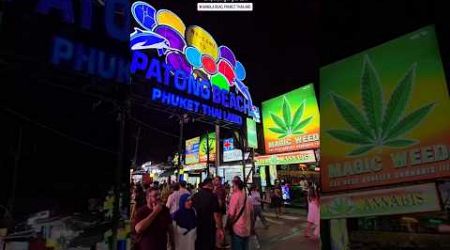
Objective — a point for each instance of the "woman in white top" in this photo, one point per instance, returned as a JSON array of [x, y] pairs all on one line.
[[185, 224]]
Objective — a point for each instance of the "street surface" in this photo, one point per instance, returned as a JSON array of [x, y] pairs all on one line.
[[286, 232]]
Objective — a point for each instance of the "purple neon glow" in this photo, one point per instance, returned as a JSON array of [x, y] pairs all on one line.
[[227, 54], [178, 62], [176, 41]]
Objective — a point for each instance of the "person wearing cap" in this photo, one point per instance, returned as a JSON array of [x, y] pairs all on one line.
[[209, 216], [185, 224]]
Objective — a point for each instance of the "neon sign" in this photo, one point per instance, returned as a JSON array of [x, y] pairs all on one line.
[[194, 65], [80, 56]]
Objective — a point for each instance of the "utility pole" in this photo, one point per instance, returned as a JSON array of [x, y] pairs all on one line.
[[243, 147], [207, 153], [122, 117], [180, 147], [136, 147], [17, 156], [217, 148]]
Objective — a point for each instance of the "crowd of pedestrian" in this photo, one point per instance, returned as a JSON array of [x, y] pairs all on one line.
[[211, 216]]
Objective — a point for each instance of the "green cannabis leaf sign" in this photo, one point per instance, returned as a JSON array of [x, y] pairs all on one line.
[[341, 206], [379, 124], [203, 148], [288, 124]]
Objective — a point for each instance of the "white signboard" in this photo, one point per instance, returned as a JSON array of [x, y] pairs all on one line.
[[234, 155]]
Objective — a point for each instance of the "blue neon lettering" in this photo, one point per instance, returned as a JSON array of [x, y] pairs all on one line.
[[165, 97], [85, 57], [180, 80], [239, 101], [156, 94], [174, 100], [154, 71], [167, 69], [206, 91], [62, 50], [217, 113], [216, 94], [194, 86], [139, 61], [63, 6], [224, 98], [106, 68], [117, 32], [86, 14], [247, 107], [233, 101]]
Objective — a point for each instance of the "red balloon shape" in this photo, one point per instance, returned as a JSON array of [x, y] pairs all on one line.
[[227, 70], [209, 64]]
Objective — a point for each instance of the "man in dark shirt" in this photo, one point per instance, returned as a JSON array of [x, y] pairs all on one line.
[[152, 224], [206, 204], [219, 191]]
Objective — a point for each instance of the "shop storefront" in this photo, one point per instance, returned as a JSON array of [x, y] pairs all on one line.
[[291, 139], [384, 178], [231, 164], [194, 173], [229, 171], [287, 170]]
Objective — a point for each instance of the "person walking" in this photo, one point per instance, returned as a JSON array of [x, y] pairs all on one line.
[[277, 201], [209, 217], [257, 209], [313, 218], [152, 224], [185, 224], [240, 214]]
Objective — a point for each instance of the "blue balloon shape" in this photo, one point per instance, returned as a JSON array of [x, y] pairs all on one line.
[[240, 71], [193, 56], [144, 14]]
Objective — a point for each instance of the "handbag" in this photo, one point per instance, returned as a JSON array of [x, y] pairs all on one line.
[[230, 223]]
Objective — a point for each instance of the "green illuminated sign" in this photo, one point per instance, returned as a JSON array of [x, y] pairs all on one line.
[[252, 137]]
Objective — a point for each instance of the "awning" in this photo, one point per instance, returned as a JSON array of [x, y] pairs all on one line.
[[194, 167], [167, 173]]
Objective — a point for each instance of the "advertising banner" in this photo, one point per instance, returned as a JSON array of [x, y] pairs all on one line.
[[291, 121], [286, 158], [192, 150], [204, 148], [252, 136], [401, 200], [234, 155], [385, 115]]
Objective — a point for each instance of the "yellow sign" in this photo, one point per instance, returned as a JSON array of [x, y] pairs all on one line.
[[167, 17], [199, 38]]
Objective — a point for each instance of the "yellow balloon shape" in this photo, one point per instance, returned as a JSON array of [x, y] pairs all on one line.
[[167, 17], [199, 38]]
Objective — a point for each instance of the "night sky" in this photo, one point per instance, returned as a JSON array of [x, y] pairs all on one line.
[[70, 144]]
